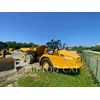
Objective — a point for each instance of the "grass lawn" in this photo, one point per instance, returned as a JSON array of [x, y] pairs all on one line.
[[95, 55], [45, 79]]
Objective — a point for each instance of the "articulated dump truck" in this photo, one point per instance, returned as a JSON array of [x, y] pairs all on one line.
[[52, 55], [5, 63]]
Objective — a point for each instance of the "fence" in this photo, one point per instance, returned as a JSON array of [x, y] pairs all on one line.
[[94, 65]]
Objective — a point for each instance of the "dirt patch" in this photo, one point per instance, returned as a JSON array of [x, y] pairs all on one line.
[[23, 70]]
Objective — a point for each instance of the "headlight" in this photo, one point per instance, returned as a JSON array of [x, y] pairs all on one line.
[[51, 52]]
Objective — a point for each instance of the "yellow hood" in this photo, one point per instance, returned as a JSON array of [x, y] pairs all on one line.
[[68, 53]]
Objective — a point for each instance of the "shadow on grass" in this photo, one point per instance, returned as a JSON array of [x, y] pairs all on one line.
[[71, 72]]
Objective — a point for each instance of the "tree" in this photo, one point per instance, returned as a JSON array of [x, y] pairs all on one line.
[[19, 45], [96, 48], [78, 48]]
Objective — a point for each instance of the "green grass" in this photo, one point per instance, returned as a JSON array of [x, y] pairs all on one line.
[[45, 79], [95, 55]]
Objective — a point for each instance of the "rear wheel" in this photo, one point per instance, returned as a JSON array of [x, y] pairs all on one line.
[[47, 65], [23, 58], [29, 58]]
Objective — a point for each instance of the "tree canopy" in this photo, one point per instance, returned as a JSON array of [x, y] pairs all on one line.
[[96, 48], [19, 45], [78, 48]]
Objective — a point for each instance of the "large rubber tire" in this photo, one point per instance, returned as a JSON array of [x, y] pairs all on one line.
[[29, 59], [23, 58], [50, 68]]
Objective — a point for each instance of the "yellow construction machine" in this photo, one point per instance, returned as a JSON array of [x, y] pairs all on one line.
[[10, 50], [25, 49], [3, 49], [52, 55]]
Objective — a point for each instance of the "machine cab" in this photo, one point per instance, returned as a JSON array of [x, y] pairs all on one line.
[[54, 46]]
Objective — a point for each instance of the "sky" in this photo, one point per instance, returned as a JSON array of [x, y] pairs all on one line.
[[72, 28]]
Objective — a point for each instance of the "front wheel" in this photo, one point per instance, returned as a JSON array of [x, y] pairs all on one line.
[[47, 65]]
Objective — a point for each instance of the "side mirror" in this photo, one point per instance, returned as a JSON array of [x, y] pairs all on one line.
[[64, 46]]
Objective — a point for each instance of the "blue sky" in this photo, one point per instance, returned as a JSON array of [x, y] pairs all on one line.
[[72, 28]]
